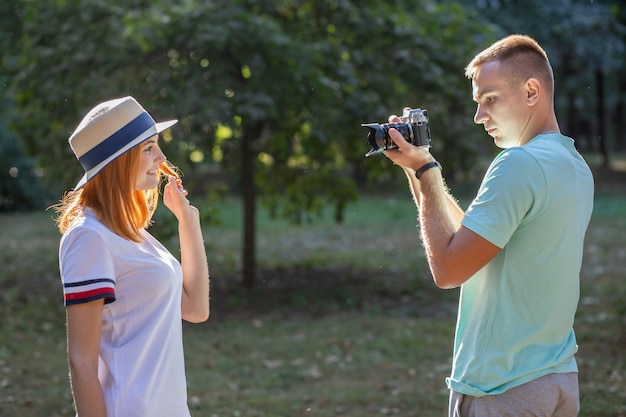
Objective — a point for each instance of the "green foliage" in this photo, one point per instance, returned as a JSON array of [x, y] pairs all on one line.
[[298, 76], [71, 57], [273, 92], [579, 35], [19, 186]]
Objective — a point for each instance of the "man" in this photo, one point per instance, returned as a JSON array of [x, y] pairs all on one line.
[[517, 250]]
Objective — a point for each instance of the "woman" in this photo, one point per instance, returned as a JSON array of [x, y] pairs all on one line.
[[125, 293]]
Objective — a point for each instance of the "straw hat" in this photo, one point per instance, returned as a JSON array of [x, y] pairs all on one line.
[[110, 129]]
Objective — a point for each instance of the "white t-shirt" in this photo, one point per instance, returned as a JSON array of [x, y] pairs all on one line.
[[141, 364]]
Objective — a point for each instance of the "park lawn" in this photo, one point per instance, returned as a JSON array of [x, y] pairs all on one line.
[[344, 320]]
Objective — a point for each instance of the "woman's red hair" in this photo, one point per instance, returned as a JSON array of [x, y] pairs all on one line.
[[111, 194]]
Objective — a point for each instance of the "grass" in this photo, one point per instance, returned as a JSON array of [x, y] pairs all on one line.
[[346, 364], [344, 321]]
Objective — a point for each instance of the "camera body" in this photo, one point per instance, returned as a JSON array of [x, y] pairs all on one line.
[[414, 129]]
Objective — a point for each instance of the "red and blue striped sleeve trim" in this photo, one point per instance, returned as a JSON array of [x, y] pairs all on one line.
[[89, 290]]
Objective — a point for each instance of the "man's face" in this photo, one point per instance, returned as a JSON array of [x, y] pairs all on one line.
[[502, 106]]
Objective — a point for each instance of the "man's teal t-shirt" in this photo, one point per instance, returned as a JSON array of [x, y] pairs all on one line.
[[516, 315]]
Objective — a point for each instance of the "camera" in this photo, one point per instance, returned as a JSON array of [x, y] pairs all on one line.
[[414, 129]]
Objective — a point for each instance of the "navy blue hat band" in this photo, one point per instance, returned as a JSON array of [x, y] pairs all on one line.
[[116, 141]]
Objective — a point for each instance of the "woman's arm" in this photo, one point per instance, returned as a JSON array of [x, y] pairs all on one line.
[[84, 322], [195, 299]]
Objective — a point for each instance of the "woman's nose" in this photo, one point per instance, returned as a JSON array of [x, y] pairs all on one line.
[[160, 157]]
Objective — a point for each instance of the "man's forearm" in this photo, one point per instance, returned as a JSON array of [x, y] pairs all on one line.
[[439, 219], [456, 212]]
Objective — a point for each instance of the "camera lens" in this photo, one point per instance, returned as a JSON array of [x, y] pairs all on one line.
[[379, 139]]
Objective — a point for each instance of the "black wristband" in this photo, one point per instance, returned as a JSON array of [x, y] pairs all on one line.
[[426, 167]]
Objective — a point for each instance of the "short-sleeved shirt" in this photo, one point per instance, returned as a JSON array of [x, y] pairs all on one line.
[[141, 364], [515, 318]]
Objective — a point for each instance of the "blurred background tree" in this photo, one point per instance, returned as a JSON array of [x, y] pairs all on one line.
[[271, 94], [20, 188], [19, 185]]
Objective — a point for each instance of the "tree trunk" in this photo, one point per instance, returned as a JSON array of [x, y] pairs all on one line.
[[604, 155], [618, 119], [249, 207], [572, 129]]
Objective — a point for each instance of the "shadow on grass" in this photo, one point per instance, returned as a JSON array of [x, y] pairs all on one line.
[[307, 292]]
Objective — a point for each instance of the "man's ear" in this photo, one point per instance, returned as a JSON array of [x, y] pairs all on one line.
[[533, 91]]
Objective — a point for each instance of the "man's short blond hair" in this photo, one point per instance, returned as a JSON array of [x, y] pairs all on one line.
[[521, 57]]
